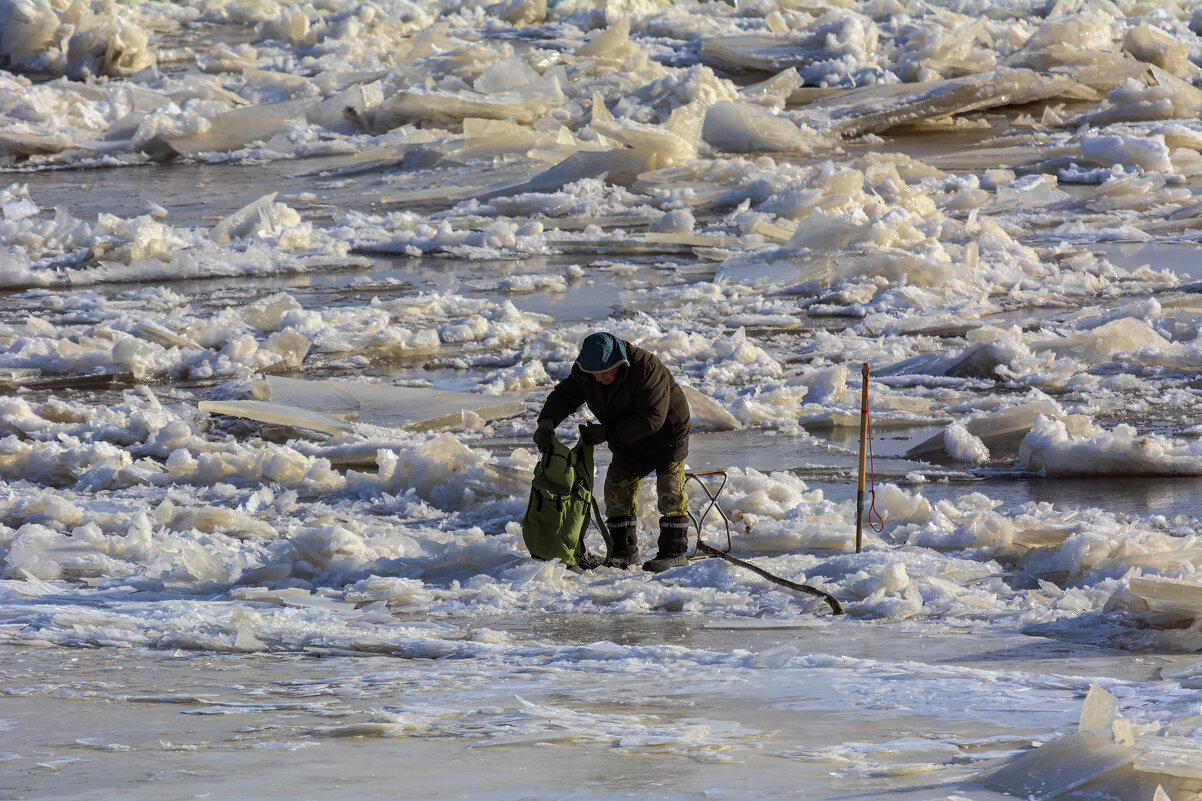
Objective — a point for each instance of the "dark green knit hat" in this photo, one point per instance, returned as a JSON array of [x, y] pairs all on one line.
[[601, 351]]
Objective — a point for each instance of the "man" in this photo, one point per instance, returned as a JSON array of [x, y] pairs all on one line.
[[644, 417]]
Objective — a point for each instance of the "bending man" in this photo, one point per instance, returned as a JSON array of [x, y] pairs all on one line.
[[644, 417]]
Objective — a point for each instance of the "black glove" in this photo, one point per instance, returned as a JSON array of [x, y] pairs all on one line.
[[544, 435], [593, 433]]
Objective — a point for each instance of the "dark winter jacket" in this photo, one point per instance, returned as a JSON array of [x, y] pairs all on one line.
[[644, 411]]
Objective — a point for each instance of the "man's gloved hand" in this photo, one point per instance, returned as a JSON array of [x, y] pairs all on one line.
[[593, 433], [544, 434]]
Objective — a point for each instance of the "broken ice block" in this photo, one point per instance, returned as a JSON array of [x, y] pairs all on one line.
[[202, 566], [613, 43], [777, 267], [449, 108], [262, 216], [1098, 712], [618, 166], [1174, 756], [164, 336], [277, 414], [231, 130], [413, 408], [746, 128], [707, 414], [1061, 765], [268, 574], [1158, 47], [1001, 431], [1169, 594], [873, 109], [777, 51]]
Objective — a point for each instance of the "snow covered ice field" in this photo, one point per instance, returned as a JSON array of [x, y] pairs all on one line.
[[284, 285]]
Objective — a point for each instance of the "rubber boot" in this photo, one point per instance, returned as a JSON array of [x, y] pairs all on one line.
[[673, 544], [624, 532]]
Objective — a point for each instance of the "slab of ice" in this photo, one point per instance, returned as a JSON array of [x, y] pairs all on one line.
[[348, 108], [80, 40], [262, 215], [660, 146], [777, 267], [611, 43], [231, 130], [1074, 446], [267, 574], [1061, 765], [776, 52], [1161, 48], [310, 601], [707, 414], [1104, 758], [618, 166], [413, 408], [1098, 712], [1169, 594], [1153, 94], [982, 158], [1001, 431], [525, 104], [779, 90], [873, 109], [277, 414], [148, 329], [1124, 335], [520, 12], [1171, 756], [746, 128]]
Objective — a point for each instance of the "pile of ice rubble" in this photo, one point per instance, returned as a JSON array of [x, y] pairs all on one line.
[[123, 488], [62, 250], [399, 86]]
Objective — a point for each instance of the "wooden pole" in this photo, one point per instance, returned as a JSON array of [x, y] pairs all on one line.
[[863, 452]]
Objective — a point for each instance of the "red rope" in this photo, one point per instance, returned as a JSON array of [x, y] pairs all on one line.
[[878, 527]]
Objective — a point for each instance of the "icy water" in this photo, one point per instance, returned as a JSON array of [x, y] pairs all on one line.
[[739, 709], [224, 726], [248, 551]]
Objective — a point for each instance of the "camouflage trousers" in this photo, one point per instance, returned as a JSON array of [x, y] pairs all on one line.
[[622, 490]]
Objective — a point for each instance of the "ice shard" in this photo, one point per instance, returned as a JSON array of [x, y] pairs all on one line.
[[1098, 712], [260, 215], [707, 414], [148, 329]]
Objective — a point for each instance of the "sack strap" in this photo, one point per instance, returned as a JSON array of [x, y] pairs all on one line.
[[584, 467]]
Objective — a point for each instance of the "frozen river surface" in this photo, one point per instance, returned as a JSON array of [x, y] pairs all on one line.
[[718, 710], [249, 551]]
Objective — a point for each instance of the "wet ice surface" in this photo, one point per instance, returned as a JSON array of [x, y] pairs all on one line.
[[994, 207], [681, 718]]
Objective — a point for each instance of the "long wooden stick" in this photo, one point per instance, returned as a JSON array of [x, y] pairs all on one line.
[[831, 600], [863, 451]]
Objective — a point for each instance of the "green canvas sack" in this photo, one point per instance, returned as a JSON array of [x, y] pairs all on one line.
[[561, 497]]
